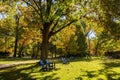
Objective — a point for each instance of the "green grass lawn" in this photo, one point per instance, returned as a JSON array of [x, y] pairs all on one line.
[[14, 60], [79, 69]]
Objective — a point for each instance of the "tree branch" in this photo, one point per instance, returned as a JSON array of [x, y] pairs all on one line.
[[39, 8], [63, 27], [49, 2], [55, 24], [36, 4], [32, 7], [41, 14], [57, 11]]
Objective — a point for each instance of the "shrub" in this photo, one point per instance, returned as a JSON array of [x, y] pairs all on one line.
[[4, 54], [113, 54]]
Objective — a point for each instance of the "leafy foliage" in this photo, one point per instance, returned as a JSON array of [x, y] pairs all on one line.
[[66, 24]]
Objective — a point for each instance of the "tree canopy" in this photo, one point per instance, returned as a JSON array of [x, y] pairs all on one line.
[[29, 27]]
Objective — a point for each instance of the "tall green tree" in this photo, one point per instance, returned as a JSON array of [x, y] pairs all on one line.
[[66, 40], [105, 15], [53, 17], [7, 23], [81, 38], [110, 17]]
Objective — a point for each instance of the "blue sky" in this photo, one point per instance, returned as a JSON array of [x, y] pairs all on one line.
[[2, 15], [92, 34]]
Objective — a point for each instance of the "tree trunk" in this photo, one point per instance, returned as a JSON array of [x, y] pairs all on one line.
[[16, 36], [45, 42], [16, 42], [33, 53], [89, 46], [20, 50], [20, 53], [37, 51], [44, 48], [96, 48]]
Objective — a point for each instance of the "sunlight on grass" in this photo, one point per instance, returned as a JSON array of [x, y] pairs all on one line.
[[96, 69], [81, 68], [10, 61]]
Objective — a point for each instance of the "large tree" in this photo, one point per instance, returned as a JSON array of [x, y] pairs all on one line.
[[110, 17], [54, 15]]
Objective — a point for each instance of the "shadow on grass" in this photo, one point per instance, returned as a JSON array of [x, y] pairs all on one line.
[[89, 74], [107, 72], [14, 73], [49, 77], [112, 64], [82, 59]]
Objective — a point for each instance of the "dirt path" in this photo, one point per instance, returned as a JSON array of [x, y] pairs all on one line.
[[14, 64]]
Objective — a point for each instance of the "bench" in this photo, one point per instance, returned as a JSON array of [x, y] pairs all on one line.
[[43, 65], [50, 64], [46, 65], [64, 60]]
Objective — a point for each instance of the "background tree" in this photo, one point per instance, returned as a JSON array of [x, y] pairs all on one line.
[[15, 26], [104, 18], [81, 38], [7, 25], [110, 16], [66, 41]]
